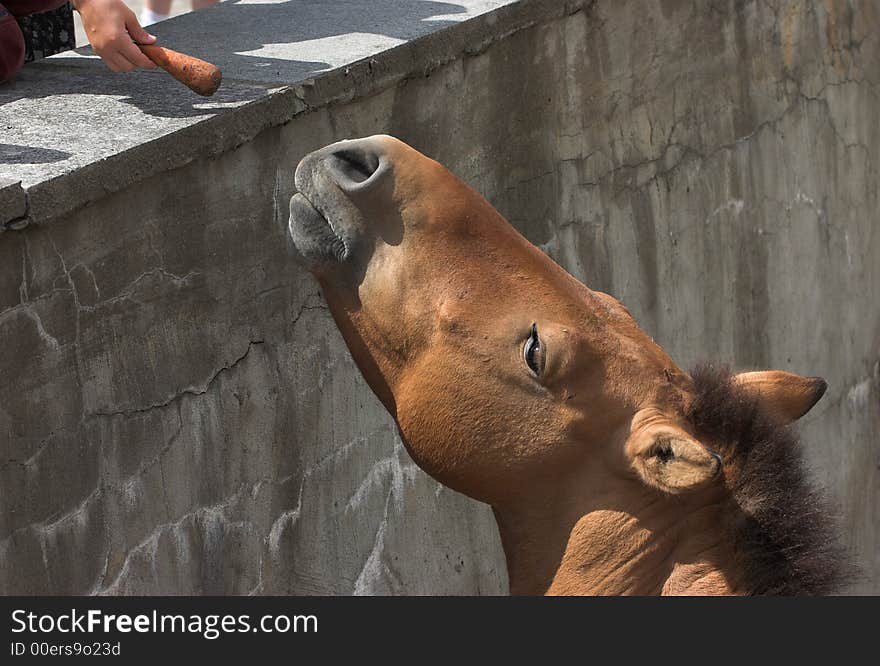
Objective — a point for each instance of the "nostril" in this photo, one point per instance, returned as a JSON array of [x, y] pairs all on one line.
[[354, 165]]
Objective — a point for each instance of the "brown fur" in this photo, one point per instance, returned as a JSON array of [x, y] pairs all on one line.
[[784, 538], [610, 470]]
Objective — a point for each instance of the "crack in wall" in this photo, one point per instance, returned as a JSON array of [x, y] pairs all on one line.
[[127, 292], [374, 566], [19, 222], [190, 390], [150, 542]]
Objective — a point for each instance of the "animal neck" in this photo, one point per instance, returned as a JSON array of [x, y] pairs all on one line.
[[601, 546]]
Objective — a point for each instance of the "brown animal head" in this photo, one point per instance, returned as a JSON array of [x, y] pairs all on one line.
[[609, 469]]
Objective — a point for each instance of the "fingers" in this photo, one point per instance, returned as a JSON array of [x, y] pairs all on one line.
[[115, 63], [115, 55], [126, 58], [135, 56], [137, 33], [112, 29], [120, 53], [131, 52]]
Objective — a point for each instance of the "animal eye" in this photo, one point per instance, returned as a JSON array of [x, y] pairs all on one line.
[[533, 352]]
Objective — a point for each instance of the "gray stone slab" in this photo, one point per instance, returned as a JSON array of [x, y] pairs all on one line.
[[73, 130], [13, 201]]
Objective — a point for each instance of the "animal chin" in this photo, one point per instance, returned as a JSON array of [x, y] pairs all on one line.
[[312, 235]]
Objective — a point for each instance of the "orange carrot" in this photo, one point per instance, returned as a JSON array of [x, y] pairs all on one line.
[[197, 75]]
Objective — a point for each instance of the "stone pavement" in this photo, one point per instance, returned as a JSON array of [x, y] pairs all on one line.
[[69, 111]]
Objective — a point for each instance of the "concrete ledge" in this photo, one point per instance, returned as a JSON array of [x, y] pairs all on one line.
[[13, 204], [77, 132]]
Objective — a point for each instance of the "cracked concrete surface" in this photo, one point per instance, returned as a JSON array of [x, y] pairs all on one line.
[[180, 414]]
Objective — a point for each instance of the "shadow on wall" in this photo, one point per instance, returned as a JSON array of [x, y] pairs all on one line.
[[283, 35]]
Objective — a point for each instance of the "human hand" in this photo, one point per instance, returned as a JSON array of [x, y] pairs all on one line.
[[113, 29]]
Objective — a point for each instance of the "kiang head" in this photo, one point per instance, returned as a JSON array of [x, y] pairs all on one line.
[[505, 373]]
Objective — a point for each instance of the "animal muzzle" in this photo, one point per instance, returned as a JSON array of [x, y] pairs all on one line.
[[326, 214]]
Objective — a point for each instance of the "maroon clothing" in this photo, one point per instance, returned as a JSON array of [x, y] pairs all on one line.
[[12, 47], [20, 8], [31, 29]]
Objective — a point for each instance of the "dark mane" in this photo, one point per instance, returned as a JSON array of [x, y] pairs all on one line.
[[784, 535]]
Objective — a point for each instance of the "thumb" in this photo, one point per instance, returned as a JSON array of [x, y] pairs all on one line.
[[137, 33]]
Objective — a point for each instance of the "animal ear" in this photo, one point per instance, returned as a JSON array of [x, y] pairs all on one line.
[[668, 458], [784, 395]]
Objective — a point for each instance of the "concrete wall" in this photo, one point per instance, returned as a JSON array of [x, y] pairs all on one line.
[[179, 414]]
